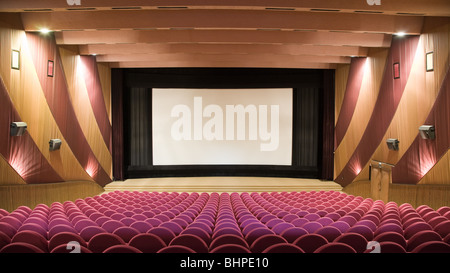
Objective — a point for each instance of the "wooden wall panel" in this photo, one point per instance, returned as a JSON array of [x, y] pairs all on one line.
[[340, 83], [370, 87], [80, 100], [13, 196], [27, 96], [104, 72], [440, 173], [8, 175]]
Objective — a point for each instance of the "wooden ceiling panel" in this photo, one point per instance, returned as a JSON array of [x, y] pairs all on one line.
[[228, 33], [222, 19]]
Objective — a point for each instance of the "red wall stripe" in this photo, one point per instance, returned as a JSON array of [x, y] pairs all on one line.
[[95, 92], [351, 95], [20, 151], [402, 51], [423, 154], [57, 95]]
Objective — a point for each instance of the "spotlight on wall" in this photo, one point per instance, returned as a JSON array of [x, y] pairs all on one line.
[[55, 144], [392, 144], [18, 128], [427, 132]]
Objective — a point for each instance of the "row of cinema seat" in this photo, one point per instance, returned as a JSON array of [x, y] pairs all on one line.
[[162, 222]]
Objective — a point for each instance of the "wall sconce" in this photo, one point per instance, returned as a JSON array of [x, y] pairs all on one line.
[[392, 144], [427, 132], [396, 70], [430, 61], [15, 59], [55, 144], [50, 65], [18, 128]]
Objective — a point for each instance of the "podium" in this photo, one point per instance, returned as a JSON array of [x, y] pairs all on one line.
[[380, 180]]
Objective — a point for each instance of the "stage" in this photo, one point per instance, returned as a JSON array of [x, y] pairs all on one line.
[[222, 184]]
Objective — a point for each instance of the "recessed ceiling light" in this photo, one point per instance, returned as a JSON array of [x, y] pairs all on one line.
[[44, 30], [400, 34]]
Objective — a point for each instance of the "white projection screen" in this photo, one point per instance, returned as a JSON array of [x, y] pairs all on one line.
[[222, 126]]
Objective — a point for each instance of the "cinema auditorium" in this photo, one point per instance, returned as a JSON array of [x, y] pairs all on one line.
[[244, 127]]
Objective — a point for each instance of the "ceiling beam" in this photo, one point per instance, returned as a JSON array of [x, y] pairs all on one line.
[[197, 63], [290, 49], [419, 7], [222, 19], [223, 36], [243, 58]]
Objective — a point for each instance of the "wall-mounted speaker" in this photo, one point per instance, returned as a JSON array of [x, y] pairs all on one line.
[[392, 144], [55, 144], [18, 128], [427, 132]]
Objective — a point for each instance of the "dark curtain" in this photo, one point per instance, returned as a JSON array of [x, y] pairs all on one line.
[[140, 127]]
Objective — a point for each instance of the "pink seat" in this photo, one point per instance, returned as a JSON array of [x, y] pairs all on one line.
[[422, 237], [164, 233], [228, 239], [291, 234], [416, 227], [283, 248], [432, 247], [88, 232], [230, 248], [66, 248], [192, 241], [20, 247], [176, 249], [335, 247], [310, 242], [99, 242], [255, 233], [199, 232], [263, 242], [357, 241], [32, 238], [391, 236], [64, 238], [443, 228], [329, 232], [122, 249], [147, 242], [126, 233]]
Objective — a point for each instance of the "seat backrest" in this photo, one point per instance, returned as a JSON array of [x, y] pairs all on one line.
[[164, 233], [64, 238], [230, 248], [422, 237], [329, 232], [228, 239], [283, 248], [20, 247], [126, 233], [310, 242], [122, 249], [176, 249], [335, 247], [263, 242], [32, 238], [432, 247], [194, 242], [147, 242], [99, 242], [355, 240]]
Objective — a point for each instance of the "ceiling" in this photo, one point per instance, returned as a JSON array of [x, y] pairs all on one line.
[[226, 33]]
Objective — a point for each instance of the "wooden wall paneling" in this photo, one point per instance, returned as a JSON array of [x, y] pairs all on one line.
[[412, 110], [13, 196], [8, 175], [403, 194], [27, 96], [359, 188], [435, 196], [370, 87], [341, 77], [104, 72], [440, 173], [80, 100]]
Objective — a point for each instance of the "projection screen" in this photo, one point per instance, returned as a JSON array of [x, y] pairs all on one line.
[[222, 126]]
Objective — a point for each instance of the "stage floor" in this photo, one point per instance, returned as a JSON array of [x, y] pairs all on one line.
[[222, 184]]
